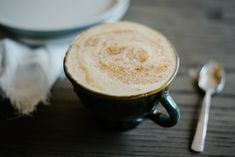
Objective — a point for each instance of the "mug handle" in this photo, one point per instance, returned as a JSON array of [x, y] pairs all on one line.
[[173, 111]]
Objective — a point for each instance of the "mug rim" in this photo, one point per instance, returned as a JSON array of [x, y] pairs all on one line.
[[141, 95]]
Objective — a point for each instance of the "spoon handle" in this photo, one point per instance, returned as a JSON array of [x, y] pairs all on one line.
[[200, 135]]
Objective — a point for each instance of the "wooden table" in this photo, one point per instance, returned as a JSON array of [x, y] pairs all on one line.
[[201, 31]]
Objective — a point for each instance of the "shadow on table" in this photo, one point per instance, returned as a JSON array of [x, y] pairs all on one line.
[[195, 117], [54, 129]]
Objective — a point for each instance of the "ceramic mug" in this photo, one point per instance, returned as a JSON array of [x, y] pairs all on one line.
[[126, 112]]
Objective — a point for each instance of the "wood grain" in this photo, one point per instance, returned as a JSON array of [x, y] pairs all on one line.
[[201, 30]]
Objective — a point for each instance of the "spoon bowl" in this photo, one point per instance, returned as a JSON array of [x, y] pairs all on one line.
[[212, 77]]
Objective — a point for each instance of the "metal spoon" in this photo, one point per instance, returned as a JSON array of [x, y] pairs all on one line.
[[211, 80]]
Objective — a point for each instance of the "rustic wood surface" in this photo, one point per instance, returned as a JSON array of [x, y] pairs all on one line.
[[201, 30]]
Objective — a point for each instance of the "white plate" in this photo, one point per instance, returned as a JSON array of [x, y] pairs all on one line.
[[57, 17]]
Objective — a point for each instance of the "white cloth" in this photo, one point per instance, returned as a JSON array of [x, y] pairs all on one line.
[[27, 74]]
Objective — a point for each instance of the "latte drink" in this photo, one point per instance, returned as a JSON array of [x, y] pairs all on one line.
[[121, 59]]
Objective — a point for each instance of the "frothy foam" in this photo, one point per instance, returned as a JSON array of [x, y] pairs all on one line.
[[121, 59]]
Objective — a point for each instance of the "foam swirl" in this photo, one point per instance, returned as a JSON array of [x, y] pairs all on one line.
[[121, 59]]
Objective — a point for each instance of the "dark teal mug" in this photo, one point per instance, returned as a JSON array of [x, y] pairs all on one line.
[[126, 112]]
